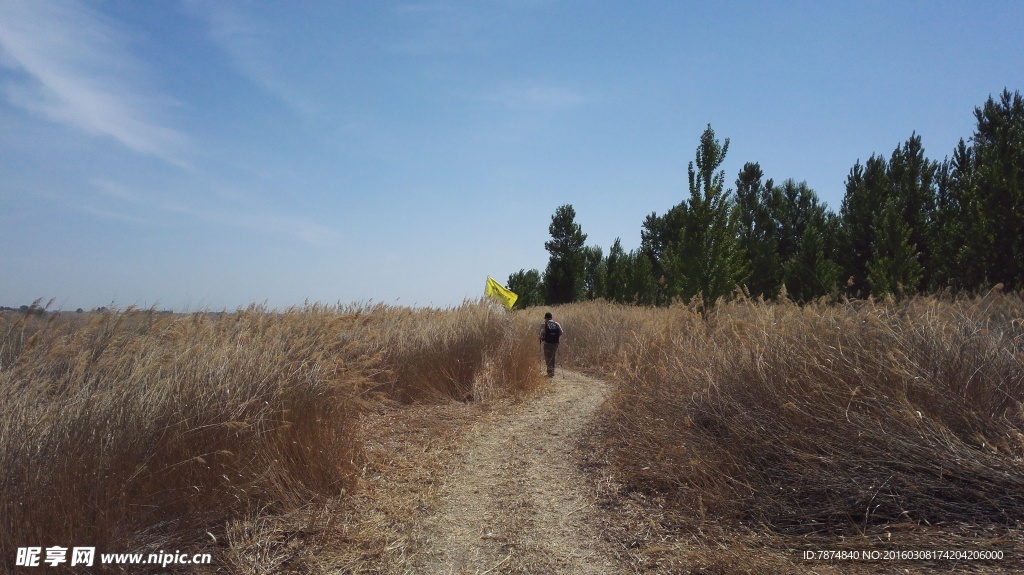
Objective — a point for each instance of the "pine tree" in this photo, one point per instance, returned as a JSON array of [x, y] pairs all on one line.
[[564, 275], [811, 272], [595, 275], [908, 181], [758, 231], [912, 183], [866, 191], [895, 267], [999, 177], [657, 235], [806, 241], [962, 239], [615, 266], [642, 287]]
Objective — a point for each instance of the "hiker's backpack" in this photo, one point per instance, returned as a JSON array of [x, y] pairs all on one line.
[[551, 332]]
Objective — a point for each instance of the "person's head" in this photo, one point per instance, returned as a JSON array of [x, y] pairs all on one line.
[[547, 315]]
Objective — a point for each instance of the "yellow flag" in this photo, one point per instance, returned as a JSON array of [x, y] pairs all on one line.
[[500, 293]]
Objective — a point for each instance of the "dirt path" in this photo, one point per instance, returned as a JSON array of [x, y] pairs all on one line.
[[515, 501]]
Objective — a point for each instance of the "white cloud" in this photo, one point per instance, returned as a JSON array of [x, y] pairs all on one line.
[[77, 71]]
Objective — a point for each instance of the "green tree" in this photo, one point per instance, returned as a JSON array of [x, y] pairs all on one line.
[[708, 259], [806, 241], [895, 266], [595, 273], [810, 271], [912, 184], [866, 191], [909, 182], [999, 177], [616, 267], [641, 285], [657, 235], [962, 239], [528, 286], [564, 277], [758, 230]]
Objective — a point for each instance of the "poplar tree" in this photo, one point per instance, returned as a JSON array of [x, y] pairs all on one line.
[[708, 258]]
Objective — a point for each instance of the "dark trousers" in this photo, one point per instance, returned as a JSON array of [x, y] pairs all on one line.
[[549, 356]]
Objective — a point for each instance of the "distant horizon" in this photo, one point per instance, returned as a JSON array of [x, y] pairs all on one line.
[[210, 155], [157, 308]]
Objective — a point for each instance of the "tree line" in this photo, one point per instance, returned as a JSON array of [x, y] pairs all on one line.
[[907, 225]]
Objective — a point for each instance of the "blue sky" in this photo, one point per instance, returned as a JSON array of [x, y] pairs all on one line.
[[209, 154]]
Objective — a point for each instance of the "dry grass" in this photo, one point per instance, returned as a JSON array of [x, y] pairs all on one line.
[[460, 353], [229, 433], [770, 425], [599, 334], [136, 429], [308, 440]]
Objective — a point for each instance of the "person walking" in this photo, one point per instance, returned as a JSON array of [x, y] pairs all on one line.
[[550, 331]]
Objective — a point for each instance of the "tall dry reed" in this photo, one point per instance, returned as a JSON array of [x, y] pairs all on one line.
[[135, 430], [595, 332], [827, 418], [137, 427], [428, 354]]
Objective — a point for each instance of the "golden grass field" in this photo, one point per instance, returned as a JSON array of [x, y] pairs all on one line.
[[140, 431], [734, 438], [753, 431]]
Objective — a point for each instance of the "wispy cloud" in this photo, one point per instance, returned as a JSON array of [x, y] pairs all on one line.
[[303, 230], [126, 195], [77, 71], [433, 28], [250, 48], [116, 216], [534, 97], [152, 206]]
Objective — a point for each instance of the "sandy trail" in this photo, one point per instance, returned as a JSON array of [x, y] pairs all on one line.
[[515, 501]]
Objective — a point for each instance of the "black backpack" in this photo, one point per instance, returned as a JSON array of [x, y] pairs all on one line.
[[551, 332]]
